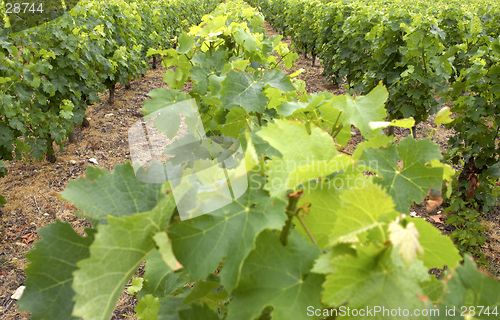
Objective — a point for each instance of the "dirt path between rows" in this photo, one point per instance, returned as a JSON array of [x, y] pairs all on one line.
[[31, 188]]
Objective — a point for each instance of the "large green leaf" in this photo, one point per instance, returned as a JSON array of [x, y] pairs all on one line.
[[362, 110], [200, 243], [207, 64], [321, 218], [118, 250], [300, 150], [376, 277], [170, 306], [236, 120], [166, 109], [246, 89], [163, 98], [277, 276], [360, 210], [48, 293], [412, 182], [186, 41], [102, 194], [244, 37], [439, 250], [147, 308]]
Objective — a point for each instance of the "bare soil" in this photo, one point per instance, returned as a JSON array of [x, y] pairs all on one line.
[[32, 188]]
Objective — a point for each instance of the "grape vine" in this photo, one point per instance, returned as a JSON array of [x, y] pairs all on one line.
[[311, 233]]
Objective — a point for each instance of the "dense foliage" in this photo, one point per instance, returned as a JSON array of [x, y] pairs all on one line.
[[311, 235], [427, 54], [49, 74]]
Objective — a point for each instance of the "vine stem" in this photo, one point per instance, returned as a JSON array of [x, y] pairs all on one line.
[[259, 117], [336, 121], [293, 199], [248, 124], [307, 230]]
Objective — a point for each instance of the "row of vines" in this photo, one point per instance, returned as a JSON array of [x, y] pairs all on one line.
[[51, 73], [309, 235], [428, 54]]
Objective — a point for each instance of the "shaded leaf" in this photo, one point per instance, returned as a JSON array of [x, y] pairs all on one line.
[[102, 194], [200, 243], [277, 276], [125, 243], [48, 293], [411, 183]]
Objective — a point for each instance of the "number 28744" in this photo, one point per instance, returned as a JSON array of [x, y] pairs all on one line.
[[24, 7]]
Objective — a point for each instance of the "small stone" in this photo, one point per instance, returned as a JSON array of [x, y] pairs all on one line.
[[93, 160], [46, 214], [414, 214], [72, 161], [18, 293]]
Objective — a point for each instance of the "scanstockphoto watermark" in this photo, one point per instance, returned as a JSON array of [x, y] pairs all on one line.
[[208, 173], [375, 311]]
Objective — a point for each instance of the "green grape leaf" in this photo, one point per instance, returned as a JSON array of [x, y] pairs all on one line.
[[246, 89], [136, 285], [286, 108], [468, 288], [366, 206], [433, 289], [203, 292], [443, 116], [364, 109], [185, 41], [169, 307], [198, 312], [302, 174], [158, 278], [236, 120], [275, 97], [200, 243], [411, 183], [298, 149], [125, 242], [293, 141], [262, 147], [377, 141], [244, 37], [375, 277], [320, 220], [48, 293], [147, 308], [206, 65], [439, 250], [322, 265], [277, 276], [172, 304], [102, 194], [163, 98]]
